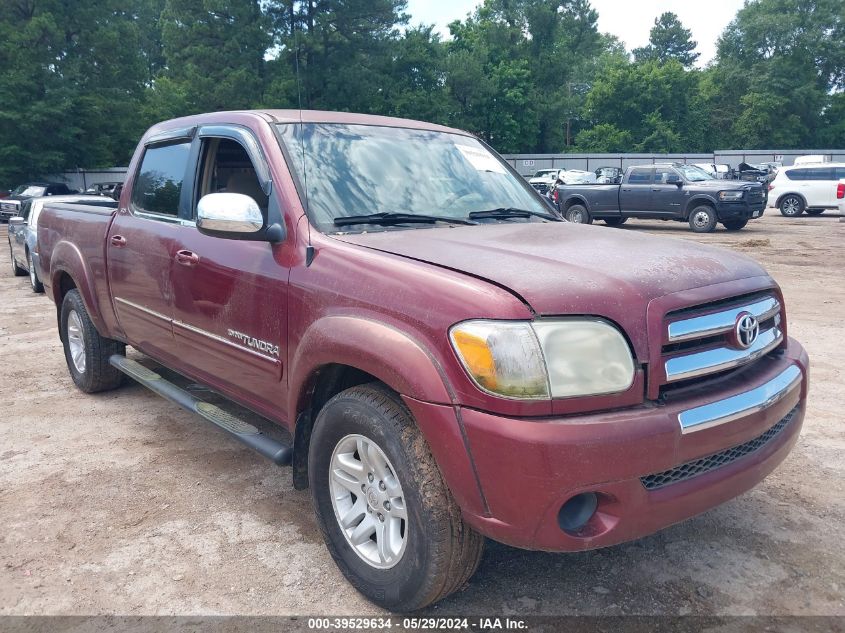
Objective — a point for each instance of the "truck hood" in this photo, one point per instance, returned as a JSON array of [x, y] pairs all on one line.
[[564, 268]]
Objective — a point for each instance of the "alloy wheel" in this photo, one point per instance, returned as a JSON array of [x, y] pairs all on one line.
[[76, 341]]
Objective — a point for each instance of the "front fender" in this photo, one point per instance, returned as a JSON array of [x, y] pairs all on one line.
[[699, 199], [375, 347], [67, 259]]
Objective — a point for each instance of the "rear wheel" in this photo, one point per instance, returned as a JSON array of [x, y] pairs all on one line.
[[735, 225], [703, 219], [578, 214], [815, 211], [387, 517], [17, 270], [34, 282], [86, 352], [792, 206], [615, 221]]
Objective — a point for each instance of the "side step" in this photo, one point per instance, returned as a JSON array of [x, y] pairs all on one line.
[[274, 450]]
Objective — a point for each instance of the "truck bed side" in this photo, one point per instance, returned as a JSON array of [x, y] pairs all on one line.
[[72, 240], [597, 198]]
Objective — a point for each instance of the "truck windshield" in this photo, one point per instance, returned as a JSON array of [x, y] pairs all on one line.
[[357, 170], [30, 191], [693, 173]]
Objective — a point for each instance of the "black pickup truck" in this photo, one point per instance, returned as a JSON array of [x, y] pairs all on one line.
[[666, 192]]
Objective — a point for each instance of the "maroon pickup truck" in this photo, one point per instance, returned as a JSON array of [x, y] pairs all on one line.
[[451, 360]]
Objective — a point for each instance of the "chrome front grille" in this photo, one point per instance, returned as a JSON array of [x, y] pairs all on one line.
[[705, 340]]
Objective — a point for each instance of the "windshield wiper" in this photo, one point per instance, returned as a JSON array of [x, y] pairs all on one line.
[[510, 212], [396, 218]]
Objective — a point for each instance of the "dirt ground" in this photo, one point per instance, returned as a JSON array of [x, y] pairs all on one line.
[[122, 503]]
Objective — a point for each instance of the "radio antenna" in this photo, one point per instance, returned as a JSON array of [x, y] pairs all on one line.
[[309, 249]]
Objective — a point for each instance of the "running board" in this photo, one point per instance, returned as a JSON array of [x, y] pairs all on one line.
[[274, 450]]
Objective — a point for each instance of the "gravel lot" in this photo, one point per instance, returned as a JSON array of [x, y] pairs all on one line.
[[123, 503]]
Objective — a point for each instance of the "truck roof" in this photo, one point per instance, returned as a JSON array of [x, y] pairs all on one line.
[[295, 116]]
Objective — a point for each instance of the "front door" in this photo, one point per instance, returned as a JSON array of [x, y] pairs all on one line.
[[141, 246], [667, 198], [230, 296]]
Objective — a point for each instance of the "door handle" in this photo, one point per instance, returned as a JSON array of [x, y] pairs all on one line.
[[118, 240], [656, 190], [187, 258]]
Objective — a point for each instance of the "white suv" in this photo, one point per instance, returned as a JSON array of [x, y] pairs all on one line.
[[810, 188]]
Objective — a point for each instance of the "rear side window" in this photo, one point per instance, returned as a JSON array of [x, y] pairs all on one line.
[[158, 185], [798, 174], [640, 176], [821, 173], [839, 173]]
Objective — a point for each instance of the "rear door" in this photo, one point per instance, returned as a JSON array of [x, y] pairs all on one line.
[[635, 192], [142, 242], [230, 297], [667, 198], [822, 187]]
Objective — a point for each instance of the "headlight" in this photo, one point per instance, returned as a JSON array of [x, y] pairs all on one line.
[[730, 196], [556, 358]]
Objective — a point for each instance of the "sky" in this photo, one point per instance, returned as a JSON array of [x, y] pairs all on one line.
[[629, 20]]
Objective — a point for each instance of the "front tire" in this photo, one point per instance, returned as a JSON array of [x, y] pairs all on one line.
[[86, 352], [34, 281], [16, 270], [578, 214], [792, 206], [387, 517], [703, 219], [735, 225]]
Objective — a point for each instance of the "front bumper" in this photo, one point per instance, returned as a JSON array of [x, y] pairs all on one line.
[[742, 210], [650, 467]]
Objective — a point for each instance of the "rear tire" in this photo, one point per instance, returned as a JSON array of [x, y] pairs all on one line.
[[735, 225], [615, 221], [791, 206], [815, 211], [578, 214], [86, 352], [17, 270], [703, 219], [430, 552], [34, 281]]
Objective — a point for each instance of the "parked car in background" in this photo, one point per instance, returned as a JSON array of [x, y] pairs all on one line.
[[470, 366], [609, 175], [667, 192], [103, 188], [23, 233], [576, 177], [10, 206], [717, 170], [544, 179], [806, 187]]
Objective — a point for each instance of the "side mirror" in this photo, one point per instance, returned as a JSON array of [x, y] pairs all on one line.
[[235, 216], [228, 213]]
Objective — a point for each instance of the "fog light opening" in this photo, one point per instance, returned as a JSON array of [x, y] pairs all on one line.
[[577, 512]]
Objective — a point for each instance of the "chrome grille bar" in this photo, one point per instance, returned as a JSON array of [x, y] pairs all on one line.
[[721, 358], [720, 322]]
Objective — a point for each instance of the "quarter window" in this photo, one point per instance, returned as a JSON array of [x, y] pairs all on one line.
[[158, 186]]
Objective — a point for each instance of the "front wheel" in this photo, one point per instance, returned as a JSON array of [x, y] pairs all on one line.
[[86, 352], [16, 270], [578, 214], [735, 225], [34, 281], [387, 517], [792, 206], [703, 219]]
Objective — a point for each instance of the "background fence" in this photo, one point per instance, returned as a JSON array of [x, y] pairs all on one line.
[[527, 164]]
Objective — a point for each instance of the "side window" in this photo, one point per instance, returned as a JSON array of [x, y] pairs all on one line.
[[26, 207], [839, 173], [821, 173], [797, 174], [640, 176], [227, 168], [665, 176], [158, 185]]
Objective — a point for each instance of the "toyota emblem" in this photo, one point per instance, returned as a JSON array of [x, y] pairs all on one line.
[[746, 330]]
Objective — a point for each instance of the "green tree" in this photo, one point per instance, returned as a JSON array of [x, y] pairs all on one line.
[[667, 40], [604, 138], [214, 54]]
